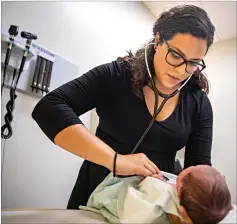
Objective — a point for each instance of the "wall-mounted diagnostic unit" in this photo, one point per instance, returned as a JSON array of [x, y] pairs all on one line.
[[29, 68]]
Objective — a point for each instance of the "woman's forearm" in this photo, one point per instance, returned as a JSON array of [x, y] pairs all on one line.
[[78, 140]]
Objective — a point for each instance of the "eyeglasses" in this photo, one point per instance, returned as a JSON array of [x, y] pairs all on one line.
[[176, 59]]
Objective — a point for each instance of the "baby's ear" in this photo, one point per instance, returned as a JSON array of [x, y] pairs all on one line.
[[184, 214], [232, 207]]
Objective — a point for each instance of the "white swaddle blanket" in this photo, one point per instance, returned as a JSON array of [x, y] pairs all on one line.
[[127, 200]]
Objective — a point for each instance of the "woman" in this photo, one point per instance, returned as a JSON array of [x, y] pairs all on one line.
[[123, 96]]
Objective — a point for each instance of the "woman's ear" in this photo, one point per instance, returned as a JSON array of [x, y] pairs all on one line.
[[157, 39], [185, 216]]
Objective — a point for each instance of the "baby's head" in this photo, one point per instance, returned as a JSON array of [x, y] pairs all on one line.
[[204, 194]]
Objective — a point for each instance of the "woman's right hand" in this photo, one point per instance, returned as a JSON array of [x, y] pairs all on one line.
[[135, 164]]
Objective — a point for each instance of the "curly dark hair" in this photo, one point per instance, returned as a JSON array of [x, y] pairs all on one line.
[[180, 19]]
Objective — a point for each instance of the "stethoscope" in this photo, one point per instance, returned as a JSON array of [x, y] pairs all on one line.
[[157, 93], [156, 109]]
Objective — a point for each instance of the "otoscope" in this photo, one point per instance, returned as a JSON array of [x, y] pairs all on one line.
[[13, 32], [29, 37]]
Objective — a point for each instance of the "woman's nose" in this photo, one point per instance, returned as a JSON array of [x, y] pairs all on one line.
[[181, 70]]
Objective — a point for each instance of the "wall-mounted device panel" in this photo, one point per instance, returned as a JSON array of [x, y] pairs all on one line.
[[29, 68], [43, 70]]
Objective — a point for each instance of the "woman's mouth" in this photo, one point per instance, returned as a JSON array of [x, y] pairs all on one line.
[[173, 78]]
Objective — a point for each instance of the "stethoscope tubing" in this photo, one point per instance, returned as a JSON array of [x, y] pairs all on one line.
[[156, 93], [156, 109]]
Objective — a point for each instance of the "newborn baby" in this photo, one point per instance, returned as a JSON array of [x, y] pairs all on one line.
[[200, 196], [203, 194]]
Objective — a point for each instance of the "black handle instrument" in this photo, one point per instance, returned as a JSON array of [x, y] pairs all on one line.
[[36, 73], [41, 73], [46, 76], [49, 76], [13, 32]]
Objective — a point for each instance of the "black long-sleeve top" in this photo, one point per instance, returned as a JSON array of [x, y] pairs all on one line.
[[123, 117]]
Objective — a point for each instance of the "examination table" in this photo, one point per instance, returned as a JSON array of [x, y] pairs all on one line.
[[66, 216]]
